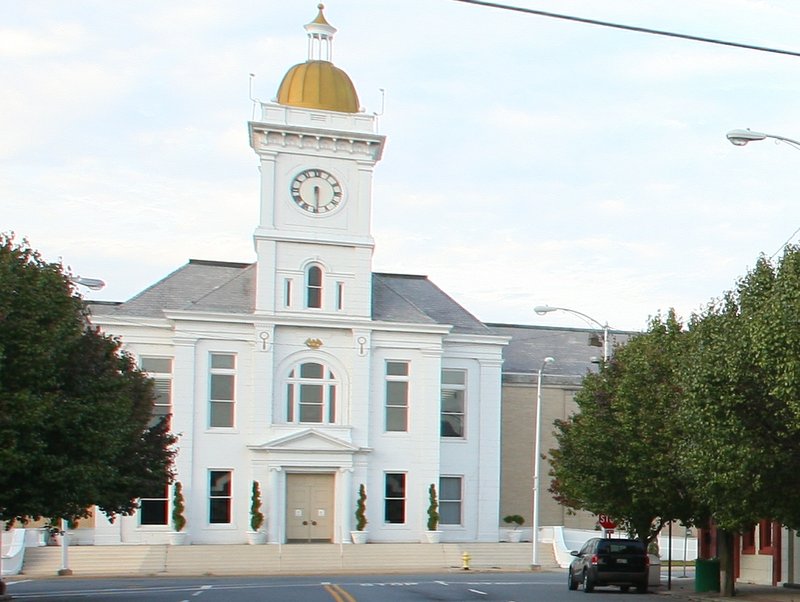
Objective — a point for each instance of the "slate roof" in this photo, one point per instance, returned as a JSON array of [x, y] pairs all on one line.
[[415, 299], [197, 285], [569, 347], [217, 286], [227, 287]]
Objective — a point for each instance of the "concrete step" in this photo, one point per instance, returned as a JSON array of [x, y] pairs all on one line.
[[96, 560], [145, 560]]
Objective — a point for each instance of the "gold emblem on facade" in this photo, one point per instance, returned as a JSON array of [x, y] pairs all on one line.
[[313, 343]]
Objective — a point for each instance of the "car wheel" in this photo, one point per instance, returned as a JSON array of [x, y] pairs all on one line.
[[572, 583], [624, 588], [588, 582], [641, 587]]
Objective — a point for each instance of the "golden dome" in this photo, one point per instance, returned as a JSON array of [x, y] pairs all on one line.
[[318, 84]]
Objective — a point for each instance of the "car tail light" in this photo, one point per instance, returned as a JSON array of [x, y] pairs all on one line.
[[595, 559]]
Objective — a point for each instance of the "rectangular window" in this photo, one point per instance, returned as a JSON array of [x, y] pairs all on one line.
[[394, 500], [339, 295], [454, 385], [450, 500], [287, 293], [219, 497], [160, 370], [397, 396], [153, 507], [222, 389]]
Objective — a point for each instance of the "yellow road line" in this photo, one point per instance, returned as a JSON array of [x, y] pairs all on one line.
[[339, 594]]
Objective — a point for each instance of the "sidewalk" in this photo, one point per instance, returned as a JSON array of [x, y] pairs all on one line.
[[683, 589]]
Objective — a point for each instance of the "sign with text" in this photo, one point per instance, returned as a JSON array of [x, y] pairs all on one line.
[[606, 521]]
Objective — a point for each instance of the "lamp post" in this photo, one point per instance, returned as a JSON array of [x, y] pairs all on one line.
[[546, 309], [537, 438], [742, 137], [94, 284]]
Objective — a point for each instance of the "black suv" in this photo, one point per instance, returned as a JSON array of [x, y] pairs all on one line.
[[622, 562]]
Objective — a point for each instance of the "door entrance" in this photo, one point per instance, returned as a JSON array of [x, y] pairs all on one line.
[[309, 508]]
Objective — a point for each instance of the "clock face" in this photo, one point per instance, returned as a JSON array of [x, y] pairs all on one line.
[[316, 191]]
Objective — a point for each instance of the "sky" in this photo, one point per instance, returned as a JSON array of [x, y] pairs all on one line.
[[529, 160]]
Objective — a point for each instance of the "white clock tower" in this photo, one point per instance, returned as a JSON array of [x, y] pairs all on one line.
[[317, 152]]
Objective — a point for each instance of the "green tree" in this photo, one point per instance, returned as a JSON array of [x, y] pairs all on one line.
[[74, 409], [256, 516], [361, 508], [433, 508], [618, 455], [741, 412]]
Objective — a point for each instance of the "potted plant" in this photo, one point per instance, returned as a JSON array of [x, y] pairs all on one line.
[[433, 534], [54, 532], [360, 535], [515, 535], [178, 537], [256, 536]]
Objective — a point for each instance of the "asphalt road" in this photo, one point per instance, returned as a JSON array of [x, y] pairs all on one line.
[[456, 587]]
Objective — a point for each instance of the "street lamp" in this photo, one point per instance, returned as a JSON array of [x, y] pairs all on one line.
[[546, 309], [94, 284], [537, 438], [742, 137]]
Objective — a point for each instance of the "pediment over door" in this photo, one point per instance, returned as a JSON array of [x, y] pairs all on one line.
[[309, 441]]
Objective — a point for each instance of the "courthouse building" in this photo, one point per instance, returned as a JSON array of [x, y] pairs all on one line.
[[307, 372]]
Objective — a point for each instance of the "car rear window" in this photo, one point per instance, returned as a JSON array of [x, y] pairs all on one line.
[[621, 547]]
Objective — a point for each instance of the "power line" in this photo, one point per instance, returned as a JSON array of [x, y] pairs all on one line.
[[657, 32]]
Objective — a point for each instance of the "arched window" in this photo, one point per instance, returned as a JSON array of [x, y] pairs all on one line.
[[314, 287], [311, 394]]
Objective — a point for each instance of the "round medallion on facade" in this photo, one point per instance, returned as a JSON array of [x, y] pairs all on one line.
[[316, 191]]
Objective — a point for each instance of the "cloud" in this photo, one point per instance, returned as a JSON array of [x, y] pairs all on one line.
[[49, 40]]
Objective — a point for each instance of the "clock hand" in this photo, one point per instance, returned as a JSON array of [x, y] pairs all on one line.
[[316, 196]]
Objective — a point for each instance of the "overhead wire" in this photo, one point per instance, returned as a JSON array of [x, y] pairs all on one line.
[[633, 28]]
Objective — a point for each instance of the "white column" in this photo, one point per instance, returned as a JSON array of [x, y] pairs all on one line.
[[347, 508], [276, 514]]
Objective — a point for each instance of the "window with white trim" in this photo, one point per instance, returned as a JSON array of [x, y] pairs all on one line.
[[219, 497], [311, 393], [314, 286], [222, 389], [287, 292], [160, 370], [450, 500], [339, 295], [394, 498], [397, 380], [453, 408], [154, 507]]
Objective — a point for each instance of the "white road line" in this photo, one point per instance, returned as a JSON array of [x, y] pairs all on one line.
[[477, 591]]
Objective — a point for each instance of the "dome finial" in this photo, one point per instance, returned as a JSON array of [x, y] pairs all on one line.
[[320, 17]]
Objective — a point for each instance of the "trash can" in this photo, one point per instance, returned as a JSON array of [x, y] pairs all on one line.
[[706, 575]]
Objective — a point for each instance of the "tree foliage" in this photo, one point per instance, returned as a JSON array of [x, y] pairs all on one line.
[[696, 424], [618, 455], [256, 516], [74, 409]]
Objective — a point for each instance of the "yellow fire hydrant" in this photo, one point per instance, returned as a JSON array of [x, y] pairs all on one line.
[[465, 558]]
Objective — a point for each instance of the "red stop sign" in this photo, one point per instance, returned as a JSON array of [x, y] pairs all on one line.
[[606, 521]]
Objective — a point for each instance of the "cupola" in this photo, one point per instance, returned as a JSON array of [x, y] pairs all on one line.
[[317, 83]]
